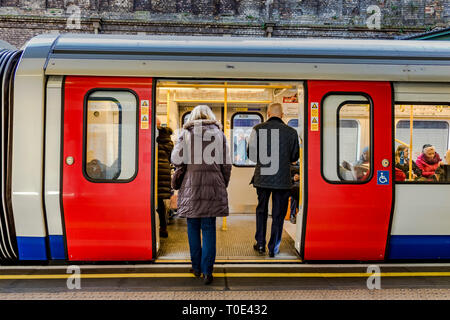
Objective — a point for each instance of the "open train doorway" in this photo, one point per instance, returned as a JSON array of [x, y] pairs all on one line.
[[239, 106]]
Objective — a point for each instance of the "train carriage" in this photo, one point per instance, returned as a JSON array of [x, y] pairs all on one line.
[[79, 138]]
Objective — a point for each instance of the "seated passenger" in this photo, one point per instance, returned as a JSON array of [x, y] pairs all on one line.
[[113, 171], [95, 169], [402, 163], [441, 173], [358, 170], [345, 171], [399, 175], [428, 161]]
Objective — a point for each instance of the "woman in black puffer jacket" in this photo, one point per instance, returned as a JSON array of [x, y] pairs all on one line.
[[165, 147]]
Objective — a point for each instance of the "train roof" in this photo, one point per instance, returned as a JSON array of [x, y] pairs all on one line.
[[241, 57]]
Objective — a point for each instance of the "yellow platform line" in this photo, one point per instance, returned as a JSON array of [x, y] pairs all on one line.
[[228, 275]]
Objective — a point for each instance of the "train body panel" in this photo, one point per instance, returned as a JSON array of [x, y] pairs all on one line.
[[28, 151], [421, 223], [52, 170], [212, 57], [357, 226], [107, 217]]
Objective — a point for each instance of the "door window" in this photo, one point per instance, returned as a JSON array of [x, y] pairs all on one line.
[[347, 139], [111, 134]]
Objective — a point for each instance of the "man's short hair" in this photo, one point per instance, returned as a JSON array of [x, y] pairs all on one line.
[[275, 108]]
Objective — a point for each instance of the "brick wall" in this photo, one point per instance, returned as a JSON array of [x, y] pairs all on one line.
[[22, 19]]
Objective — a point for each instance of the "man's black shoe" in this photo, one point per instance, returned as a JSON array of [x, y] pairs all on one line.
[[271, 254], [208, 279], [258, 248], [196, 273], [163, 233]]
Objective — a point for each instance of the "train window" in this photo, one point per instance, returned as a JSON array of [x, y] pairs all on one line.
[[430, 126], [348, 139], [347, 136], [110, 146], [293, 123], [241, 125]]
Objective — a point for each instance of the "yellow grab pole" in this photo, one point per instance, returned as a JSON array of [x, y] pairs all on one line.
[[300, 171], [401, 142], [222, 101], [225, 128], [168, 108], [222, 86], [156, 168], [411, 118]]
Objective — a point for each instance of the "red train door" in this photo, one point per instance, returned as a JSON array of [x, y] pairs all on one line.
[[349, 166], [107, 152]]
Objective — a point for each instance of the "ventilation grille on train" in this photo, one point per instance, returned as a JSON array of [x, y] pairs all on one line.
[[8, 245]]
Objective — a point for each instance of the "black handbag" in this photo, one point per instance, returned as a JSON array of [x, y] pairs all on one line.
[[178, 176]]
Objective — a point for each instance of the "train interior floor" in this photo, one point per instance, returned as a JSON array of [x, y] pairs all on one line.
[[235, 243]]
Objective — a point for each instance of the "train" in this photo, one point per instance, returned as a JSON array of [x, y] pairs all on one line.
[[79, 160]]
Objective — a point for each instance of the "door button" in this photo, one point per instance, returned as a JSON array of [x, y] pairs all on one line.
[[385, 163], [69, 161]]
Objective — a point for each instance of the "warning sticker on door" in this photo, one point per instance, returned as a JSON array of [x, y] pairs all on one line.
[[314, 116], [144, 110], [144, 124], [144, 114]]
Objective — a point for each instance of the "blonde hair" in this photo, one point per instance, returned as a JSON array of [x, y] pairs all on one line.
[[447, 156], [202, 111]]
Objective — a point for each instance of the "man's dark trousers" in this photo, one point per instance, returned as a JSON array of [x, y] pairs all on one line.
[[280, 200]]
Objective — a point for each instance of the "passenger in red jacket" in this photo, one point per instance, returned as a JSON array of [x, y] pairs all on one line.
[[428, 161], [399, 175]]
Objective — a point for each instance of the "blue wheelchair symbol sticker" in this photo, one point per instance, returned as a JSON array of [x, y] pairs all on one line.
[[383, 177]]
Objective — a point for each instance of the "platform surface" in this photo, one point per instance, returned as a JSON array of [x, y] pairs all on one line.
[[173, 281]]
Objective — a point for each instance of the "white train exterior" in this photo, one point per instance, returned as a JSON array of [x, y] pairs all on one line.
[[33, 97]]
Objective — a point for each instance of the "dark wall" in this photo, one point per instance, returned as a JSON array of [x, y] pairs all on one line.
[[22, 19]]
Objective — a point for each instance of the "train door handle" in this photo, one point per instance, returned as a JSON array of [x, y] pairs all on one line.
[[70, 160]]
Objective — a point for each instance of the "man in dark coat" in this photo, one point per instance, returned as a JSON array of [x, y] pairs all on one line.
[[274, 147], [165, 147]]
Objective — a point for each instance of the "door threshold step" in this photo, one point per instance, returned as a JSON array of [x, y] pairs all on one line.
[[268, 260]]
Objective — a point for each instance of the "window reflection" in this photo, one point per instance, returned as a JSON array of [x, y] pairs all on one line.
[[242, 127], [346, 147], [111, 135]]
